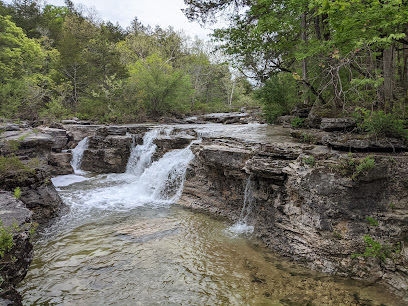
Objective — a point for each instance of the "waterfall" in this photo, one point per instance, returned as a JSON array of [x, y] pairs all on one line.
[[241, 226], [77, 154], [164, 179], [141, 155], [144, 183]]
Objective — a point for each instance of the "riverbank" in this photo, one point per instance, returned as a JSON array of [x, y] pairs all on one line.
[[309, 202]]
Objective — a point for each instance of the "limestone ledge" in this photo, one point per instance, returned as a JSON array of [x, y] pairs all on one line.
[[310, 213]]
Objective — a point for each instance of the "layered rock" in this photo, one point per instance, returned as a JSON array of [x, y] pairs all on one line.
[[305, 208], [15, 261], [28, 151], [108, 151]]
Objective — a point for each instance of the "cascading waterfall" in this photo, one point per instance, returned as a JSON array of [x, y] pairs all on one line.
[[77, 154], [241, 226], [144, 183], [141, 155]]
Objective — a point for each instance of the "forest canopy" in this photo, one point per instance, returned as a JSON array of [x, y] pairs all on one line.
[[339, 54], [59, 61]]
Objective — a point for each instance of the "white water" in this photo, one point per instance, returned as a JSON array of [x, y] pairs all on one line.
[[145, 183], [141, 155], [77, 154], [242, 226]]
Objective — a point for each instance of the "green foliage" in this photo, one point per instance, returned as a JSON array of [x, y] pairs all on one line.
[[308, 138], [159, 88], [309, 160], [6, 239], [380, 124], [17, 193], [355, 168], [13, 145], [12, 166], [363, 167], [377, 250], [277, 97], [297, 122], [372, 221]]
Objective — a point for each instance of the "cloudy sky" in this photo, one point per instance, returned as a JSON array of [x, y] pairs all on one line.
[[151, 12]]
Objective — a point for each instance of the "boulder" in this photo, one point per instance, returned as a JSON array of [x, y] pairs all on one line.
[[60, 163], [107, 154]]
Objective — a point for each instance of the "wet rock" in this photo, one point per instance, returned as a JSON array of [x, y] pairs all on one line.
[[44, 201], [60, 163], [168, 143], [311, 213], [337, 124], [285, 120], [107, 154], [225, 117], [78, 132], [14, 271], [111, 130]]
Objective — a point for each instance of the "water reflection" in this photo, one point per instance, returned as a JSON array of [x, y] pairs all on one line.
[[171, 255]]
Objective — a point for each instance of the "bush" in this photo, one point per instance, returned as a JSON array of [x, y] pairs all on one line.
[[297, 122], [6, 239], [354, 168], [376, 249], [277, 96], [17, 193], [12, 165], [380, 124]]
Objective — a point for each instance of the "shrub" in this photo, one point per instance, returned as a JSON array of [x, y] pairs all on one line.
[[309, 160], [372, 221], [354, 168], [364, 165], [17, 193], [380, 124], [6, 239], [12, 165], [277, 96], [308, 138], [376, 249], [297, 122]]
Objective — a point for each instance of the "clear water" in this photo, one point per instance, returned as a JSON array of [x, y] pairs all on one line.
[[125, 242]]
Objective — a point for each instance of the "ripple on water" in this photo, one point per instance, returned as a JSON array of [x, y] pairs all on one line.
[[170, 255]]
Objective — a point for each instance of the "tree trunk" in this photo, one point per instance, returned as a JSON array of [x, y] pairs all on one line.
[[388, 74], [304, 61]]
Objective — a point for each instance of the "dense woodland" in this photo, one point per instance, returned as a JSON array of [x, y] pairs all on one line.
[[337, 58], [57, 62], [333, 55]]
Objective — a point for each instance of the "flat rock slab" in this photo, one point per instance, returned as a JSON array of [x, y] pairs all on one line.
[[13, 210]]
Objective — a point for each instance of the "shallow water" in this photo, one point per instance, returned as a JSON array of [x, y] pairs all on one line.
[[125, 242], [170, 255]]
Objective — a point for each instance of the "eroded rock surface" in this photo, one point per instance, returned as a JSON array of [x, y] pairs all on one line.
[[305, 208], [16, 261]]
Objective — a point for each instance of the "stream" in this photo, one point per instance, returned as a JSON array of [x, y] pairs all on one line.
[[125, 241]]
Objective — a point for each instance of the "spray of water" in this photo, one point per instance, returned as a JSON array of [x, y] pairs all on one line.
[[241, 226], [77, 154], [145, 183], [141, 155]]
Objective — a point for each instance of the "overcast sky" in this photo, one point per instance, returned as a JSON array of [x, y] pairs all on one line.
[[151, 12]]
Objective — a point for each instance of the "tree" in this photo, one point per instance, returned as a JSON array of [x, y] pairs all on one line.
[[158, 87]]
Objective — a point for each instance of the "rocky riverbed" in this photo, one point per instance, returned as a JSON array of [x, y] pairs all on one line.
[[309, 202]]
